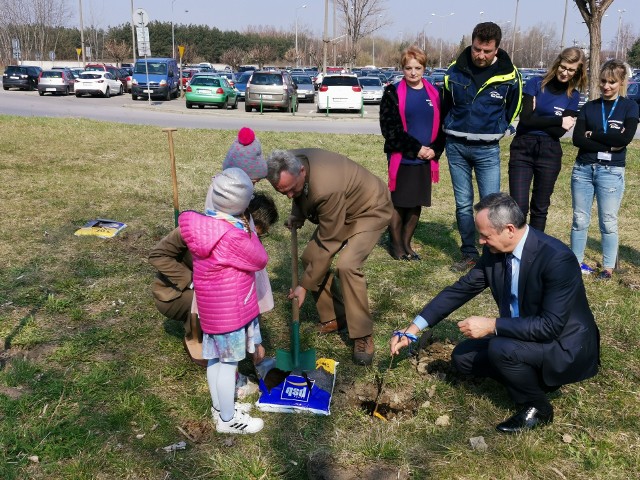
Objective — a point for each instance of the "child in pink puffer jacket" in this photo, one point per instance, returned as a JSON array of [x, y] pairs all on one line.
[[226, 256]]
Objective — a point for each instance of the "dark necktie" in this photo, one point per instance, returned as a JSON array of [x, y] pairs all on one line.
[[505, 300]]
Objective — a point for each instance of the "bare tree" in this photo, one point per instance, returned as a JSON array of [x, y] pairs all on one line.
[[360, 18], [234, 56], [262, 54], [118, 51], [290, 56], [592, 12], [33, 23], [315, 52]]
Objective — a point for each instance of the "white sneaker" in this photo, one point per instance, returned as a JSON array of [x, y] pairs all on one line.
[[241, 423], [239, 407]]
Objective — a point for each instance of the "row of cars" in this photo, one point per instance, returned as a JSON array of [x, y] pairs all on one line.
[[281, 90], [94, 79]]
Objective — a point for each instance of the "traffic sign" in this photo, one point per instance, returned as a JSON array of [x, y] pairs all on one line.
[[181, 50], [144, 45], [141, 18], [15, 44]]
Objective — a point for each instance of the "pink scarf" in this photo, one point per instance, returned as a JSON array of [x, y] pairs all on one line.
[[396, 157]]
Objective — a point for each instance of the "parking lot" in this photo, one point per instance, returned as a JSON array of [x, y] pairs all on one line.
[[123, 109]]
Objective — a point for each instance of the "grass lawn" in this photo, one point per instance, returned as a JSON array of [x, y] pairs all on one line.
[[94, 381]]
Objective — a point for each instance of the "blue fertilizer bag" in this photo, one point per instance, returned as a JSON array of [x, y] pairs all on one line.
[[297, 391]]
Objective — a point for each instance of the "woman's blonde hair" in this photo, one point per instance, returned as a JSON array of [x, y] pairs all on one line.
[[579, 79], [413, 52], [615, 70]]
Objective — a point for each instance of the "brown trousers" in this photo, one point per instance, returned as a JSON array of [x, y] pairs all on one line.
[[347, 298]]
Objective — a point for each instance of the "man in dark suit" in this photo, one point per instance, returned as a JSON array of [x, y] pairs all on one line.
[[351, 208], [545, 335]]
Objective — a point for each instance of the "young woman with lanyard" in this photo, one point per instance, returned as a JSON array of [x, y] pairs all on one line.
[[604, 128], [549, 108]]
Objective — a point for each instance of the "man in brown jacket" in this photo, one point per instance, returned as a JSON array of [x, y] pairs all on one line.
[[351, 208]]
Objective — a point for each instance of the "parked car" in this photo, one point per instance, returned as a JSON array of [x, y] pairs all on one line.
[[436, 79], [372, 89], [210, 89], [21, 77], [317, 80], [270, 89], [231, 77], [56, 81], [633, 91], [340, 92], [306, 91], [127, 79], [187, 73], [163, 77], [241, 83], [120, 74], [98, 82]]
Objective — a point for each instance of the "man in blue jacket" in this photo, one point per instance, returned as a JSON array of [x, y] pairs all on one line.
[[545, 335], [482, 97]]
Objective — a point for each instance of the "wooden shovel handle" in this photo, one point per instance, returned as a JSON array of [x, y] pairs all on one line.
[[294, 273], [174, 177]]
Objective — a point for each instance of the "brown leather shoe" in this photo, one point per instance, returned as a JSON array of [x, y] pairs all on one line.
[[332, 326], [363, 349]]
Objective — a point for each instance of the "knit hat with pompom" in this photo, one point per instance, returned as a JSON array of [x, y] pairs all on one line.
[[246, 153]]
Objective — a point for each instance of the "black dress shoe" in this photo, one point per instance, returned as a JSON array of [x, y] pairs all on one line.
[[526, 419]]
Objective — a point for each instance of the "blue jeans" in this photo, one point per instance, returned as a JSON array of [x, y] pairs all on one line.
[[607, 185], [464, 157]]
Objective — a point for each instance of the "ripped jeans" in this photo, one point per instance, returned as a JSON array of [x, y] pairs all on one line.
[[606, 184]]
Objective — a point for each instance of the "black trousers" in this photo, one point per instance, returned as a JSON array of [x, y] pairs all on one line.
[[514, 363], [537, 157]]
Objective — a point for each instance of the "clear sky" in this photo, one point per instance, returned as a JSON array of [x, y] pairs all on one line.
[[406, 18]]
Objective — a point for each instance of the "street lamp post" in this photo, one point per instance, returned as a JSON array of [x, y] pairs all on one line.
[[515, 29], [424, 41], [84, 61], [620, 12], [133, 35], [441, 32], [173, 33], [542, 50], [297, 57], [564, 24], [373, 41]]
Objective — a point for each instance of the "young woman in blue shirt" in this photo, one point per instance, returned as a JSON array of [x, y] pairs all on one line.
[[604, 128], [549, 108]]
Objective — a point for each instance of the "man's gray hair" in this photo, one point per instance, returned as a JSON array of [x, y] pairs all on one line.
[[280, 161], [502, 211]]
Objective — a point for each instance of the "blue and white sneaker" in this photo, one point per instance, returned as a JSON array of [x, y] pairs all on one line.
[[586, 269]]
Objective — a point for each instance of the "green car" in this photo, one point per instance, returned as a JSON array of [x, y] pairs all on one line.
[[211, 90]]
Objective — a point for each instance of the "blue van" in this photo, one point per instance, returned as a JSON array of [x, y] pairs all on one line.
[[164, 78]]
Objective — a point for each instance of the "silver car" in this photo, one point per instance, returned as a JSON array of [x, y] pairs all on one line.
[[306, 91], [56, 81], [270, 89], [371, 89]]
